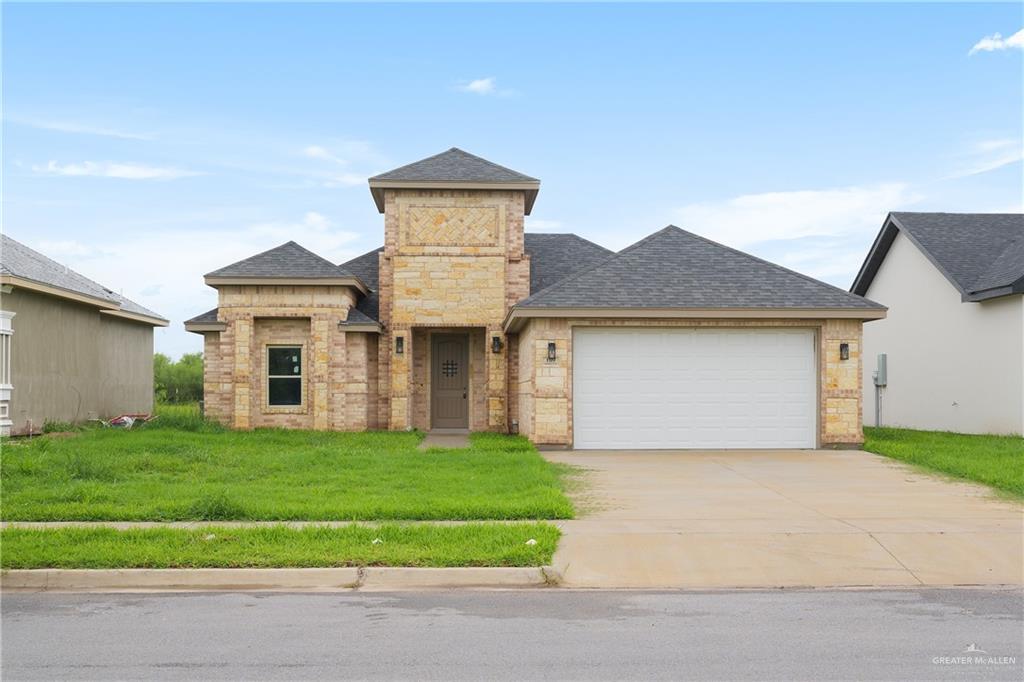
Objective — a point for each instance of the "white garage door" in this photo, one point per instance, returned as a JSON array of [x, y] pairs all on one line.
[[694, 388]]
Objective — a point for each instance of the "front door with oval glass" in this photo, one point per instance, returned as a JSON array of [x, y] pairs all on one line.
[[449, 381]]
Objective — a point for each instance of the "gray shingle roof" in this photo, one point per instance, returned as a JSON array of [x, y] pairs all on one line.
[[356, 316], [554, 257], [18, 260], [208, 317], [674, 268], [367, 269], [981, 254], [288, 261], [454, 165]]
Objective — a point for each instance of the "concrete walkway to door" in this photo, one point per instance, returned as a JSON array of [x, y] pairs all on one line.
[[793, 518]]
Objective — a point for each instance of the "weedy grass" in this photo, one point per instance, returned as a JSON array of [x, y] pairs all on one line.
[[421, 545], [184, 468], [996, 461]]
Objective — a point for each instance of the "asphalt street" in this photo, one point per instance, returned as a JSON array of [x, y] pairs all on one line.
[[522, 635]]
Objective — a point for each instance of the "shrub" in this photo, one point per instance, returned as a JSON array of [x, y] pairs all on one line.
[[178, 382]]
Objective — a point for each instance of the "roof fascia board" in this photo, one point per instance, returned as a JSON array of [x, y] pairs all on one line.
[[200, 327], [32, 285], [515, 317], [876, 254], [531, 189], [355, 282], [137, 317], [361, 327]]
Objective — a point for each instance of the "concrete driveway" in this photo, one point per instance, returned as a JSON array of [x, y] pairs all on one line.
[[787, 518]]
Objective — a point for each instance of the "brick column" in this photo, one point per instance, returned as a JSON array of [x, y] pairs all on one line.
[[401, 379], [497, 381], [320, 342], [241, 371]]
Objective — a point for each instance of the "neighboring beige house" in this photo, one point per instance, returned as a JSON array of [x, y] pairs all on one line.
[[462, 321], [954, 336], [70, 349]]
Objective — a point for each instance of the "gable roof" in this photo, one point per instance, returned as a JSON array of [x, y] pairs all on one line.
[[287, 262], [676, 270], [19, 262], [981, 254], [453, 168]]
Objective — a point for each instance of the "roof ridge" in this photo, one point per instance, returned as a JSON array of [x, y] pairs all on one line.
[[769, 263], [457, 150]]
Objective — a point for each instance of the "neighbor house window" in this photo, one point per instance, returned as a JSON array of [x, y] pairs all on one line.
[[284, 375], [6, 332]]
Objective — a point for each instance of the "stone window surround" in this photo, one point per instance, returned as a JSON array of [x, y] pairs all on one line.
[[303, 406]]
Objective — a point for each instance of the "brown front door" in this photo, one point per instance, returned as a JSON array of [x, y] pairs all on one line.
[[449, 381]]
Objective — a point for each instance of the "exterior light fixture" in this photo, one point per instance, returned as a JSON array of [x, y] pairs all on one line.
[[844, 351], [551, 351], [399, 345], [496, 344]]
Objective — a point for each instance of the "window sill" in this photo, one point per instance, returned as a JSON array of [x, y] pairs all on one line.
[[284, 409]]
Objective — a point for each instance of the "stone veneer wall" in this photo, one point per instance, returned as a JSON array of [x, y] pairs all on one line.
[[337, 366], [545, 387], [452, 259]]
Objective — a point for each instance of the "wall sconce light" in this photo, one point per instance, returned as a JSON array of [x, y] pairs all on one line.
[[551, 351], [399, 345], [844, 351], [496, 344]]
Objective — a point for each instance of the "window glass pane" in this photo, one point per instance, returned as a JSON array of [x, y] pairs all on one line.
[[285, 391], [284, 361]]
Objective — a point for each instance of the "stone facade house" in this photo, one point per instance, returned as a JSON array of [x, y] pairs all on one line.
[[70, 349], [954, 337], [462, 321]]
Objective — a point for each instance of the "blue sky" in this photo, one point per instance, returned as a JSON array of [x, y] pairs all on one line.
[[144, 145]]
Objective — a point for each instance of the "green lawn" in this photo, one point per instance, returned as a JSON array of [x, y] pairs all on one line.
[[997, 461], [180, 468], [476, 544]]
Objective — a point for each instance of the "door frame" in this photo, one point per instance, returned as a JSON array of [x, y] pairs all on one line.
[[433, 337]]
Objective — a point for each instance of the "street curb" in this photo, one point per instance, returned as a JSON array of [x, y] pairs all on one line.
[[279, 579]]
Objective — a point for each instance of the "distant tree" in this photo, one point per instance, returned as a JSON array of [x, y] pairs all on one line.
[[178, 382]]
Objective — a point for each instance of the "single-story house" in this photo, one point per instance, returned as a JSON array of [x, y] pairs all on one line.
[[462, 321], [954, 337], [70, 349]]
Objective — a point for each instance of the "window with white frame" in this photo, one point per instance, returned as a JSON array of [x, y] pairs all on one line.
[[284, 376]]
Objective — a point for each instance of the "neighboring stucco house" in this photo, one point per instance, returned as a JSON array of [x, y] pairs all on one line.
[[70, 349], [462, 321], [954, 336]]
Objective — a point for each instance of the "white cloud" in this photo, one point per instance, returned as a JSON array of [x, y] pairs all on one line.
[[540, 225], [481, 86], [108, 169], [752, 218], [354, 151], [163, 269], [80, 129], [996, 42], [314, 151], [988, 155]]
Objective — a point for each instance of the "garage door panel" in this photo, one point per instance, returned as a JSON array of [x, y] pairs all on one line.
[[694, 388]]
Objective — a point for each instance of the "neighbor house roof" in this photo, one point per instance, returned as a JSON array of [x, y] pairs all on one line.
[[676, 273], [453, 168], [288, 263], [981, 254], [27, 268]]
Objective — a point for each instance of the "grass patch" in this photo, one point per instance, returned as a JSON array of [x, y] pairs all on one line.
[[476, 544], [183, 468], [996, 461]]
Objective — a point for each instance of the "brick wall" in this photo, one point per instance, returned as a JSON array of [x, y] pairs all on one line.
[[452, 260]]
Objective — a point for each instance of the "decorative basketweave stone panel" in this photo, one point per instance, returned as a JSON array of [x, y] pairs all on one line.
[[452, 225]]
